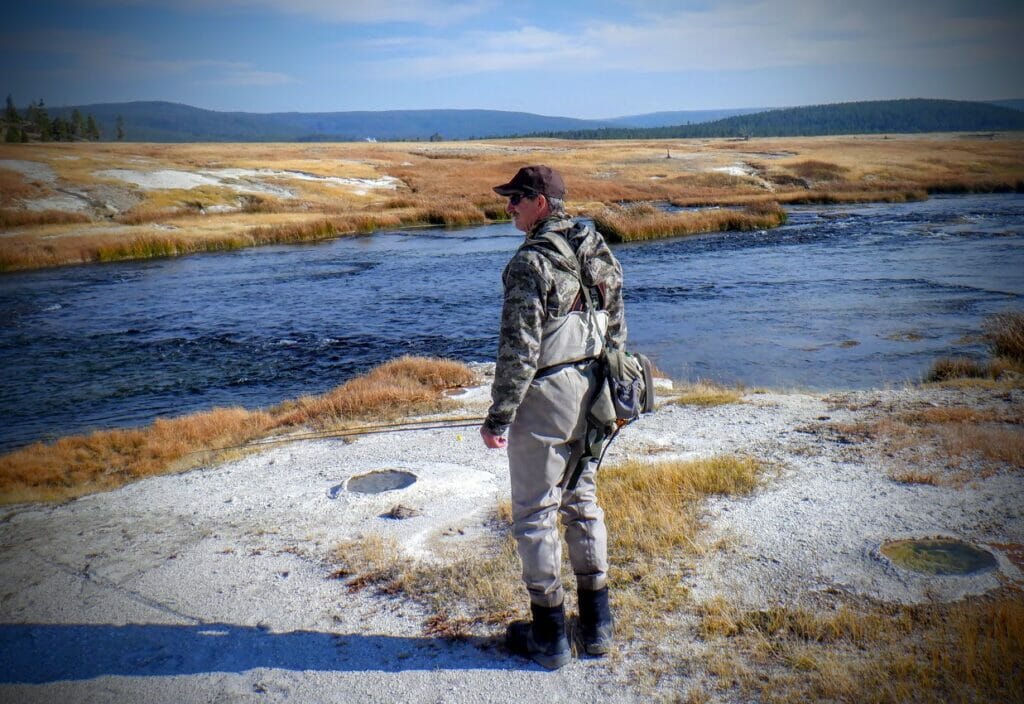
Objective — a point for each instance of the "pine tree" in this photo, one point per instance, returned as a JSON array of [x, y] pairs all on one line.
[[92, 130], [60, 129], [77, 124], [13, 134], [11, 113], [42, 122], [120, 128]]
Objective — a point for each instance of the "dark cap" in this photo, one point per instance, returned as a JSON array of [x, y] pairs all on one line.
[[533, 180]]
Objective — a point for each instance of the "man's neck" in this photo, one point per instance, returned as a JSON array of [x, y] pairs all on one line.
[[545, 222]]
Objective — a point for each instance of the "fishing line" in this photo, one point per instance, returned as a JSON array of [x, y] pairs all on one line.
[[405, 426]]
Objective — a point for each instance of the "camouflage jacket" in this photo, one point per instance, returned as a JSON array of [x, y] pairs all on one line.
[[540, 284]]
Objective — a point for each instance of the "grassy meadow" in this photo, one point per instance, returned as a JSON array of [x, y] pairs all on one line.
[[298, 192]]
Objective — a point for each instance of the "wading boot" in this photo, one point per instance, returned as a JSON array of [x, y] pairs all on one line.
[[544, 639], [596, 623]]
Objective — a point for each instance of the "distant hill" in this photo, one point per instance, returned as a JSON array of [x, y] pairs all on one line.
[[156, 121], [174, 122], [678, 117], [869, 117], [1017, 104]]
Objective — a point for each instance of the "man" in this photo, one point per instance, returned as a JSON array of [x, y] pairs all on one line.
[[545, 380]]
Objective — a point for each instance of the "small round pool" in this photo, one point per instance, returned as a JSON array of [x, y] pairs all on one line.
[[379, 481], [938, 556]]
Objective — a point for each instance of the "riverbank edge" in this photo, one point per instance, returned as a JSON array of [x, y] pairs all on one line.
[[102, 249]]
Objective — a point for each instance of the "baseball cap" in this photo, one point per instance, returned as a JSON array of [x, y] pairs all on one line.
[[534, 180]]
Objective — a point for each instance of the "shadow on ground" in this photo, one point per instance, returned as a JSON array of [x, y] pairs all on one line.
[[40, 653]]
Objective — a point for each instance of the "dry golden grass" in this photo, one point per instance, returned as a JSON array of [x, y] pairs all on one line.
[[943, 445], [400, 387], [651, 507], [450, 183], [106, 459], [915, 476], [14, 187], [29, 218], [625, 225], [970, 651], [947, 368], [707, 393], [653, 514], [817, 170], [1005, 334], [998, 445], [480, 588], [653, 511]]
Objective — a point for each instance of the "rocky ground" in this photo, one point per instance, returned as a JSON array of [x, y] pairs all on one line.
[[215, 585]]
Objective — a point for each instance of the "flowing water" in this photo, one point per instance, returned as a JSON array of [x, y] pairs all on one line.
[[841, 297]]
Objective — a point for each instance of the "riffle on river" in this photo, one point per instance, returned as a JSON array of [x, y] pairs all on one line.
[[841, 297]]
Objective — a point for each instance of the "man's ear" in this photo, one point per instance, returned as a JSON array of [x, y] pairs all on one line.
[[545, 206]]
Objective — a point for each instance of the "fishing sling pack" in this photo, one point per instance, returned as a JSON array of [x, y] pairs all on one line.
[[628, 390]]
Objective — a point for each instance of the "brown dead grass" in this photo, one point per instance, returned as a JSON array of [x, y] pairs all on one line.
[[650, 506], [107, 459], [947, 368], [625, 225], [817, 170], [942, 445], [30, 218], [1005, 334], [460, 592], [707, 393], [408, 385], [653, 513], [969, 651], [450, 183], [14, 187]]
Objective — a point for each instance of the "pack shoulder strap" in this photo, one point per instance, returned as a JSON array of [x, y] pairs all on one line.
[[557, 242]]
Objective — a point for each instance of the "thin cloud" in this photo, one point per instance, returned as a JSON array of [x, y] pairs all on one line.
[[481, 52], [251, 78], [433, 13], [88, 55], [730, 36]]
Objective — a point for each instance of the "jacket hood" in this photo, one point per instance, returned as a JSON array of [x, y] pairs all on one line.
[[584, 240]]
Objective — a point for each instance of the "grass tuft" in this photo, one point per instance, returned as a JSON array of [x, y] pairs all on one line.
[[650, 507], [1005, 335], [653, 514], [399, 387], [627, 225], [106, 459], [817, 170], [29, 218], [947, 368], [967, 651], [707, 393]]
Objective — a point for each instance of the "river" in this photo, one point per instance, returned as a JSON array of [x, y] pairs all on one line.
[[841, 297]]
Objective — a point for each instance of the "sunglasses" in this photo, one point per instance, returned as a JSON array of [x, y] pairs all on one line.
[[517, 198]]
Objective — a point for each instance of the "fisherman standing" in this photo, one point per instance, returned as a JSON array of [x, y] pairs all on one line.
[[545, 380]]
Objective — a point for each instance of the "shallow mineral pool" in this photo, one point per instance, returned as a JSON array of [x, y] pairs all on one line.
[[938, 556], [380, 481]]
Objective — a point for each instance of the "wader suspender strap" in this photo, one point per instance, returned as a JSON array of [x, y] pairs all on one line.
[[595, 442], [559, 243]]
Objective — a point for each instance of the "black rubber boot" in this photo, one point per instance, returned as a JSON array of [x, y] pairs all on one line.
[[544, 639], [597, 626]]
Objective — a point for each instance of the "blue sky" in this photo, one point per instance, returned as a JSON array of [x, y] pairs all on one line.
[[571, 58]]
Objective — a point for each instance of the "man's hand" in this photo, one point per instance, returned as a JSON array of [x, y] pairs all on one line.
[[494, 442]]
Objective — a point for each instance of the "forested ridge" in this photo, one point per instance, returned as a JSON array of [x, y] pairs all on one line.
[[868, 117]]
